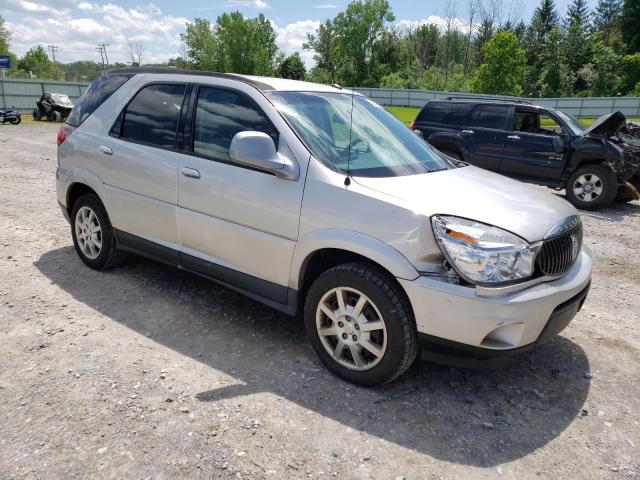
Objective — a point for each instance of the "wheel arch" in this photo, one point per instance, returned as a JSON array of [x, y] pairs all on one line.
[[318, 251]]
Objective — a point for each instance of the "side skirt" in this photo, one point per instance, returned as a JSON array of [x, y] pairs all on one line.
[[276, 296]]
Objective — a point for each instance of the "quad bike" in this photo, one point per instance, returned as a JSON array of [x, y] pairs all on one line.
[[55, 107], [12, 116]]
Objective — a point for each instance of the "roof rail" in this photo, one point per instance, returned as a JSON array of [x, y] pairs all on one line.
[[487, 99]]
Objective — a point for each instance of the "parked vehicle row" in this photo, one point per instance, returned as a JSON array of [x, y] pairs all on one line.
[[539, 145], [318, 202]]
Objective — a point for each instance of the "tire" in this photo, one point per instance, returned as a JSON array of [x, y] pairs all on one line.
[[15, 121], [55, 116], [602, 183], [37, 114], [395, 344], [105, 255]]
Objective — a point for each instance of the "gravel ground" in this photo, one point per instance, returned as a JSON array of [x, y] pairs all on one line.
[[148, 372]]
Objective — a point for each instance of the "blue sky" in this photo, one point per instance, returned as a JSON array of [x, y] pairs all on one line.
[[77, 26]]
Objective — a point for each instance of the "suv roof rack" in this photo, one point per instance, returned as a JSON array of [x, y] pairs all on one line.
[[178, 71], [487, 99]]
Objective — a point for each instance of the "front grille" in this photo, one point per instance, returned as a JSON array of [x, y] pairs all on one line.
[[558, 254]]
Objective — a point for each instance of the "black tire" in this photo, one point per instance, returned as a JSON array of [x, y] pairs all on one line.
[[391, 302], [55, 116], [15, 120], [109, 255], [605, 178], [37, 114]]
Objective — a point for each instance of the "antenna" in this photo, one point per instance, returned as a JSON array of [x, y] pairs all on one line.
[[347, 181]]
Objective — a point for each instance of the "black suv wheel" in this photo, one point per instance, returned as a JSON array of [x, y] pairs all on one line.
[[592, 187]]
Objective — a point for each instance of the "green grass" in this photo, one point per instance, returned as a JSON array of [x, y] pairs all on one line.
[[408, 115]]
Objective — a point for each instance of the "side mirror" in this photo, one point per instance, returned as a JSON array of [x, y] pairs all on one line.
[[559, 144], [257, 150]]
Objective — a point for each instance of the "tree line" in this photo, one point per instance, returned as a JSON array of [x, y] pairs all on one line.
[[479, 46]]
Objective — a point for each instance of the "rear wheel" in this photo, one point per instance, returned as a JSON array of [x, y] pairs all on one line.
[[93, 235], [37, 114], [360, 324], [592, 187], [15, 120], [55, 116]]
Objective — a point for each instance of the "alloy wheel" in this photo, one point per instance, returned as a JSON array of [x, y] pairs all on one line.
[[351, 328], [88, 233], [588, 187]]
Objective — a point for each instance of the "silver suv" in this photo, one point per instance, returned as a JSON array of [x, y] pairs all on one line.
[[316, 201]]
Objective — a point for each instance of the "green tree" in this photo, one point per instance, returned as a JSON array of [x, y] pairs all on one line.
[[36, 63], [630, 25], [292, 67], [503, 67], [577, 44], [545, 18], [552, 77], [200, 43], [5, 37], [607, 18], [630, 66], [423, 42], [323, 46]]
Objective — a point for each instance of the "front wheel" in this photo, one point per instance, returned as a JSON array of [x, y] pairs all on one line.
[[360, 324], [592, 187], [15, 120]]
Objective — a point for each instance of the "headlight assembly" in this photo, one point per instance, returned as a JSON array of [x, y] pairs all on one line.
[[482, 254]]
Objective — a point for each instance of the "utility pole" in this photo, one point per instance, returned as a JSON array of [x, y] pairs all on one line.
[[101, 57], [103, 49], [53, 49]]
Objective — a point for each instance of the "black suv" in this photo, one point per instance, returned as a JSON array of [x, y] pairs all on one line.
[[538, 145]]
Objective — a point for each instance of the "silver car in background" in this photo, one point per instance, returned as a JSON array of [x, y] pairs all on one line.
[[317, 202]]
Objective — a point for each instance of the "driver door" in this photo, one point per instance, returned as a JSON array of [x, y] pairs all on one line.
[[529, 150], [235, 223]]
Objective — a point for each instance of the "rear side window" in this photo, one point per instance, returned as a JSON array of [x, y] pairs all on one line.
[[220, 114], [95, 95], [152, 116], [448, 113], [489, 116]]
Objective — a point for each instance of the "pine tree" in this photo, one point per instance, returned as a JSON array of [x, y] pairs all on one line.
[[629, 23], [577, 45], [544, 19], [606, 17]]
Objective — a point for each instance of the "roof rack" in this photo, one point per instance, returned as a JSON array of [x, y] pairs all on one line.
[[178, 71], [488, 99]]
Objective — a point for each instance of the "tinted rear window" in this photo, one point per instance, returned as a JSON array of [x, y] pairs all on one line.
[[445, 112], [95, 95], [152, 116], [489, 116]]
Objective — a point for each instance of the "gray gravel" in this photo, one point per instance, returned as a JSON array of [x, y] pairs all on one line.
[[148, 372]]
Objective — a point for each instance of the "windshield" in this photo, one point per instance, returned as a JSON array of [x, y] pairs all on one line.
[[59, 98], [379, 145], [573, 124]]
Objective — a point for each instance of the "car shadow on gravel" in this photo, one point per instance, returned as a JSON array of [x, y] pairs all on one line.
[[479, 418]]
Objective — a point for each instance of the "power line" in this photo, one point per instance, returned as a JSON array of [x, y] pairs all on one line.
[[53, 49]]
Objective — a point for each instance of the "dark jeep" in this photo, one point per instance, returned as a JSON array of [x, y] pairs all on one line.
[[594, 164]]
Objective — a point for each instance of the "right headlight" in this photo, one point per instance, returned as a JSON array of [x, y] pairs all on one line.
[[481, 253]]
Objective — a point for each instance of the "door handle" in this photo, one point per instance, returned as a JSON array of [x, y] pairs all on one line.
[[106, 150], [513, 137], [190, 172], [467, 131]]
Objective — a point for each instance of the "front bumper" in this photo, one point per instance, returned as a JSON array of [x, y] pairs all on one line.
[[455, 315]]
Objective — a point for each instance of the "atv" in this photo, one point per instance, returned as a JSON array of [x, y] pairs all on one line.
[[55, 107]]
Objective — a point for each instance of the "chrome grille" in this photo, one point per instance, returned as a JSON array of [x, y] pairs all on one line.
[[559, 253]]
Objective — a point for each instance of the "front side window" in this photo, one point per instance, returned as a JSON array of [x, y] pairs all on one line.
[[152, 116], [220, 114], [528, 121], [351, 133]]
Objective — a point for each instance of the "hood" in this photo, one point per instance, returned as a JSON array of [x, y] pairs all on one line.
[[606, 125], [477, 194]]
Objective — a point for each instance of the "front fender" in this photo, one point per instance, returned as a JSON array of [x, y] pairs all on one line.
[[369, 247]]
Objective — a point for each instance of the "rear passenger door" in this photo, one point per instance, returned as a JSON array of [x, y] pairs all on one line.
[[140, 163], [235, 223], [485, 134]]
